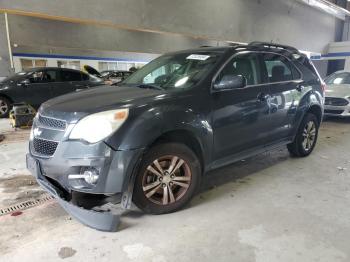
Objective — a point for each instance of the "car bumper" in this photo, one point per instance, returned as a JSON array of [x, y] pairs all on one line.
[[339, 111], [115, 170], [104, 221]]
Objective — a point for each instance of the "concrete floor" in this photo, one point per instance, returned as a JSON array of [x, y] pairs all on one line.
[[269, 208]]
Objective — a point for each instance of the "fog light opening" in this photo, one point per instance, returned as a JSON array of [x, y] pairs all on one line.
[[90, 177]]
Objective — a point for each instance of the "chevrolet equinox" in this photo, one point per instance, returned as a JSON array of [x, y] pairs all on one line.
[[150, 139]]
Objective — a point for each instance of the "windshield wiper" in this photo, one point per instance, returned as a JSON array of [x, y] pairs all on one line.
[[150, 86]]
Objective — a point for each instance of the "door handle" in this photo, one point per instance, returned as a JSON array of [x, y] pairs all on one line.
[[262, 97]]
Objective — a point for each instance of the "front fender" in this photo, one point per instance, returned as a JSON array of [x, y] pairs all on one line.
[[146, 125]]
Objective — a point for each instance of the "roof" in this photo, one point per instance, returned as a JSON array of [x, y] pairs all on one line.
[[285, 50], [35, 69]]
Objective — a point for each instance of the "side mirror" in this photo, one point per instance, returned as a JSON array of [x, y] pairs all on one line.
[[24, 82], [231, 82]]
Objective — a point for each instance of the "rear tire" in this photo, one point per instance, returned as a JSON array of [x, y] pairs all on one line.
[[306, 137], [168, 178], [5, 107]]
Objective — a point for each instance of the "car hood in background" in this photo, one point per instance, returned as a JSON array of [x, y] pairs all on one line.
[[338, 90], [73, 106], [92, 71]]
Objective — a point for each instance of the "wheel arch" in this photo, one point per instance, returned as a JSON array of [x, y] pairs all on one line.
[[185, 137], [7, 97], [317, 111]]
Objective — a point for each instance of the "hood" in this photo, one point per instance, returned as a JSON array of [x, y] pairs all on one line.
[[92, 71], [102, 98], [338, 90]]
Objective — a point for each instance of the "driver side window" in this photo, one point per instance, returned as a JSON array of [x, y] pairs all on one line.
[[43, 77], [245, 65]]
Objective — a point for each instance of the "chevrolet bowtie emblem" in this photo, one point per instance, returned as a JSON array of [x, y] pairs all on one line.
[[37, 132]]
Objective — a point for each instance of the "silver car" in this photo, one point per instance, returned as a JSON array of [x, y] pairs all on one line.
[[337, 101]]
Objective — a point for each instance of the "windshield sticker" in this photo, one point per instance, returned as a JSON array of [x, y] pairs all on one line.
[[198, 57]]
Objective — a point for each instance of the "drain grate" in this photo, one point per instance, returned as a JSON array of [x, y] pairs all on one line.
[[25, 205]]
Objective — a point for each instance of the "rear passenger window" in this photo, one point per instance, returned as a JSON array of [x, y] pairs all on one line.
[[245, 65], [70, 76], [279, 69]]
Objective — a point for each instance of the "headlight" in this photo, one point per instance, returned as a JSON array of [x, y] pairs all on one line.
[[96, 127]]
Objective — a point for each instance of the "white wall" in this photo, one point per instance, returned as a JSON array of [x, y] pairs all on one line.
[[52, 62]]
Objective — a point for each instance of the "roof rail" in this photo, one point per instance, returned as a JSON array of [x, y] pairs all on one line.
[[275, 46]]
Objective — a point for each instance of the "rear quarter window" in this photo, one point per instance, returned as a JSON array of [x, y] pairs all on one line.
[[307, 68]]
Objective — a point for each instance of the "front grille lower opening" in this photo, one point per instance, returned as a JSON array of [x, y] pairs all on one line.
[[336, 101], [335, 112]]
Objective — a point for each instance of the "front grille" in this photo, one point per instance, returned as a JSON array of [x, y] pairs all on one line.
[[51, 123], [335, 112], [335, 101], [44, 147]]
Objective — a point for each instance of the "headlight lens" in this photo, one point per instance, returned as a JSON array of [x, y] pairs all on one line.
[[96, 127]]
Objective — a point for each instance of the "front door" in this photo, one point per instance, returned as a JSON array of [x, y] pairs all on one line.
[[240, 116], [39, 88]]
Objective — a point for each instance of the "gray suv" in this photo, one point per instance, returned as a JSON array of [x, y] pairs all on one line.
[[152, 138]]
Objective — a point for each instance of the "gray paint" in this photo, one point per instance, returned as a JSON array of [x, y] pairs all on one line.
[[33, 34], [287, 21], [4, 53], [284, 21]]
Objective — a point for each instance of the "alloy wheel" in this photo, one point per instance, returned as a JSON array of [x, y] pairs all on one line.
[[166, 180], [3, 107], [309, 136]]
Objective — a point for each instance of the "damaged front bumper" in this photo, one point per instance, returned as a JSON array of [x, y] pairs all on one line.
[[104, 220]]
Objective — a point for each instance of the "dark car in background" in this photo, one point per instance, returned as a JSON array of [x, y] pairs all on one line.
[[153, 137], [37, 85], [115, 76]]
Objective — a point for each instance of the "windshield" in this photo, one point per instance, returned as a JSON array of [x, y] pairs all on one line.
[[105, 73], [338, 79], [95, 78], [175, 71]]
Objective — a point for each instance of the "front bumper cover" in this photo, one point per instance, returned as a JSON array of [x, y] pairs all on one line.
[[104, 221], [340, 111]]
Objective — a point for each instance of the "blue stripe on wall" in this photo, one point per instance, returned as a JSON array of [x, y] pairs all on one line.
[[340, 54], [77, 57], [336, 54]]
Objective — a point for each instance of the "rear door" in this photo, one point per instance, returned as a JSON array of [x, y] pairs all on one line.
[[284, 80], [70, 81]]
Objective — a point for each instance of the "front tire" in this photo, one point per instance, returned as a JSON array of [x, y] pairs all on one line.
[[5, 106], [306, 137], [168, 178]]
